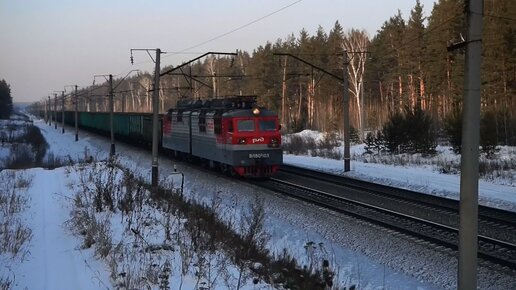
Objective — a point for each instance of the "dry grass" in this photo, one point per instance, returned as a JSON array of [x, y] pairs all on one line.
[[15, 235], [164, 234]]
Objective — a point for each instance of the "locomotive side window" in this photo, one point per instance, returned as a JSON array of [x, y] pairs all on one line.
[[202, 124], [245, 125], [267, 125]]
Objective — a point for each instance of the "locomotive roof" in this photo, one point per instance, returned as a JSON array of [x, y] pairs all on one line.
[[226, 103], [233, 106], [249, 113]]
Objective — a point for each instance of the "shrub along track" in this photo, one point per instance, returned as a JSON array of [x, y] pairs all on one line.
[[427, 217]]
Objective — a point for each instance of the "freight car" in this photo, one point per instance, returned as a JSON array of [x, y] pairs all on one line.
[[232, 134], [133, 128]]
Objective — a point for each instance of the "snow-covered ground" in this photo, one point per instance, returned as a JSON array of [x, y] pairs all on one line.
[[499, 193], [420, 179], [362, 254]]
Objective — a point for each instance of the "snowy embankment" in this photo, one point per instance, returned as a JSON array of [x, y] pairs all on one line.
[[424, 178], [363, 255]]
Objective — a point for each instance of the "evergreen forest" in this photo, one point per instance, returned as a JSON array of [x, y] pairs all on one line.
[[404, 67]]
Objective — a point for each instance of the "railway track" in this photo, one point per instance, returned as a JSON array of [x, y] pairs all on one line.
[[430, 218], [424, 216]]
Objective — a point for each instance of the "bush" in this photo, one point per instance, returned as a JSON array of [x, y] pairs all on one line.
[[354, 135], [28, 149], [488, 134], [21, 157], [329, 141], [453, 130], [393, 133], [420, 131], [294, 145], [298, 145], [374, 143], [39, 145], [409, 132]]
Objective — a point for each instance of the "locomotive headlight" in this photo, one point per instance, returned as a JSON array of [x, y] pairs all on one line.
[[274, 142], [241, 141], [256, 111]]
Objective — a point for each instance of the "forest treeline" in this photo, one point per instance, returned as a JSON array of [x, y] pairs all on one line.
[[405, 66]]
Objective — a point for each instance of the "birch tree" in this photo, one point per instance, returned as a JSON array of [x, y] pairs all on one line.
[[356, 43]]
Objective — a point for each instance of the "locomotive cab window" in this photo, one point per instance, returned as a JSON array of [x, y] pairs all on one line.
[[245, 125], [267, 125]]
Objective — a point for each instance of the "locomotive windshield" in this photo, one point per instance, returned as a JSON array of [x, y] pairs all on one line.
[[267, 125], [245, 125]]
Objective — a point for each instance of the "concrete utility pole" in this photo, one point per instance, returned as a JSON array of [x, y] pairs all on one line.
[[468, 229], [62, 111], [55, 111], [111, 105], [112, 149], [155, 110], [76, 115], [50, 112], [347, 135], [47, 111]]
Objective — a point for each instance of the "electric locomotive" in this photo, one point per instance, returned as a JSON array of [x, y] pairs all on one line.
[[232, 134]]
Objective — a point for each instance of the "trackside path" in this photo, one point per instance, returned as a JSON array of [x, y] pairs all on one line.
[[55, 261]]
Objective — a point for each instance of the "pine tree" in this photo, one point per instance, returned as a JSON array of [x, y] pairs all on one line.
[[387, 69], [415, 52], [332, 93], [6, 100], [499, 65], [444, 71]]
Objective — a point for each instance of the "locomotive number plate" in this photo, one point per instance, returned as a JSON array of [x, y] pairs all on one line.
[[258, 155]]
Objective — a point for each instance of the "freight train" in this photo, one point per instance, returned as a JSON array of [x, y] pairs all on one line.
[[230, 134]]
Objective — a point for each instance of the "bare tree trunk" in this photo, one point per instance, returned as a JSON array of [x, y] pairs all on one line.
[[311, 103], [412, 91], [357, 42], [212, 71], [300, 104], [283, 95], [400, 91], [422, 100]]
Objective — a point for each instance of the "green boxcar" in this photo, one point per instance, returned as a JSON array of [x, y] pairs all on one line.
[[134, 128]]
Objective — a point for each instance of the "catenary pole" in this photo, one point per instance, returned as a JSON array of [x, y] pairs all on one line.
[[347, 134], [47, 109], [55, 111], [62, 112], [50, 111], [468, 228], [76, 115], [155, 108], [112, 149]]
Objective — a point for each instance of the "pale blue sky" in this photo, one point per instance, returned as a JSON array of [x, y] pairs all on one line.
[[47, 44]]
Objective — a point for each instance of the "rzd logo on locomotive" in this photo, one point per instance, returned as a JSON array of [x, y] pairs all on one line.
[[258, 140]]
